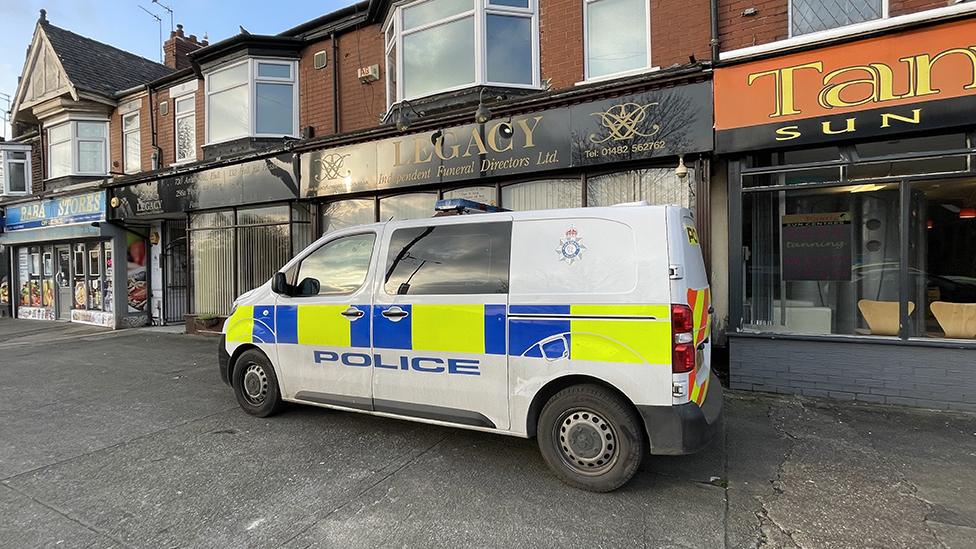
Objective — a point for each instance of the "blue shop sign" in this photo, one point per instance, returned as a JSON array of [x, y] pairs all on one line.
[[55, 212]]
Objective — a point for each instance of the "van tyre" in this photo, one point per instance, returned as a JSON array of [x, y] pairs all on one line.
[[256, 385], [591, 438]]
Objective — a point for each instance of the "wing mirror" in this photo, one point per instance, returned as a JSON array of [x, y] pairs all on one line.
[[280, 285], [308, 287]]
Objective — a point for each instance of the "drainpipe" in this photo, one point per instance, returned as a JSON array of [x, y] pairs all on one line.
[[157, 159], [335, 83], [714, 41]]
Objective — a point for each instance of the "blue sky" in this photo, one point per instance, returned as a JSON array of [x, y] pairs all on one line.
[[122, 24]]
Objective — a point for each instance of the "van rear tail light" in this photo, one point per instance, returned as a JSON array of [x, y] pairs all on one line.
[[683, 350]]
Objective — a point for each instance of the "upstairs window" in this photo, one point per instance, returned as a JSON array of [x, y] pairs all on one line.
[[434, 46], [131, 143], [617, 37], [186, 128], [77, 147], [253, 98], [15, 170], [808, 16]]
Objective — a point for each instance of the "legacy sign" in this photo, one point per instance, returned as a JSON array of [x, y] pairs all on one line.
[[55, 212], [909, 81], [662, 122]]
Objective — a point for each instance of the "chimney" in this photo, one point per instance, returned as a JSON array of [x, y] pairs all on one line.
[[178, 45]]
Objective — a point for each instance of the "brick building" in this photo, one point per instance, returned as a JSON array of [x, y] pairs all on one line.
[[213, 169]]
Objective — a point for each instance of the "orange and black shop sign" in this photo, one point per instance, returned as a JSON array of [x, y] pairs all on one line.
[[908, 81]]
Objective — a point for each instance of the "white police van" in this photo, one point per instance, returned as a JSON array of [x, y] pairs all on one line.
[[585, 328]]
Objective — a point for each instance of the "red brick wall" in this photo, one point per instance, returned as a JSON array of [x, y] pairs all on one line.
[[679, 28], [165, 129], [561, 41], [360, 105], [315, 89], [37, 165], [771, 21]]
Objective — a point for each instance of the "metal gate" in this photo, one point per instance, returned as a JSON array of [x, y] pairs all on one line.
[[175, 273]]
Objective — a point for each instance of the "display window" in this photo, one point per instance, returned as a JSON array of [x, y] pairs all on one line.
[[876, 247]]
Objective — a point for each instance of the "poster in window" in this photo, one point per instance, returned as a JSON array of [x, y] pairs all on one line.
[[108, 293], [136, 283], [23, 263], [817, 246]]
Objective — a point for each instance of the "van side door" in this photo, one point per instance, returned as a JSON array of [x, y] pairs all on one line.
[[323, 338], [439, 330]]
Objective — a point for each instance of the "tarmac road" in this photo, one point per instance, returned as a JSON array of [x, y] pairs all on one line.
[[129, 439]]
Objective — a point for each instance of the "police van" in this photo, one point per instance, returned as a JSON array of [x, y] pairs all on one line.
[[587, 329]]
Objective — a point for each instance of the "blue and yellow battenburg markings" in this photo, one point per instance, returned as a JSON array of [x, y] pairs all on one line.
[[601, 333]]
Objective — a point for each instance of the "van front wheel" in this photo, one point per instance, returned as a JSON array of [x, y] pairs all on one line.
[[591, 438], [256, 385]]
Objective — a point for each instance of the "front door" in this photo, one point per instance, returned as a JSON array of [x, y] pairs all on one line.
[[322, 338], [62, 280], [439, 323]]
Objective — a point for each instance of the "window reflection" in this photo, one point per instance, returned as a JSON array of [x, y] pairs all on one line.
[[543, 195], [347, 213], [449, 259], [340, 266], [655, 185], [407, 206]]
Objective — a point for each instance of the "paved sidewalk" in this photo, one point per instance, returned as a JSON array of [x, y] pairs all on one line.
[[129, 439]]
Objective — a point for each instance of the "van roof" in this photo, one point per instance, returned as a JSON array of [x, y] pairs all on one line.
[[601, 211]]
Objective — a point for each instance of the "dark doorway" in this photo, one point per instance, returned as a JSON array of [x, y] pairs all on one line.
[[174, 271]]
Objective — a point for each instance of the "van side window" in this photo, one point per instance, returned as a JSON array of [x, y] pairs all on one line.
[[340, 265], [471, 258]]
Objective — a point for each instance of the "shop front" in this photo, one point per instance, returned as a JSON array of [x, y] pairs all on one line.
[[594, 153], [68, 263], [852, 195], [215, 232]]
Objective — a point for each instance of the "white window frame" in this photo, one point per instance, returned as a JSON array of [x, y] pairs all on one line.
[[789, 20], [480, 11], [252, 81], [177, 116], [74, 152], [648, 67], [5, 157], [125, 148]]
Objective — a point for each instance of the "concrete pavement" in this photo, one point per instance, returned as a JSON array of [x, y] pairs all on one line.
[[129, 439]]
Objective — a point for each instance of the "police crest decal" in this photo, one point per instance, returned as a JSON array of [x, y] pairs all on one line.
[[571, 247]]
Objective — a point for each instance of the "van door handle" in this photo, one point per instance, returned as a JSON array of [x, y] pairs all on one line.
[[352, 313], [394, 313]]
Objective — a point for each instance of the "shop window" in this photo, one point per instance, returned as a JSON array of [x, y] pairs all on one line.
[[77, 148], [942, 259], [131, 143], [347, 213], [301, 227], [253, 98], [943, 164], [434, 46], [262, 236], [186, 128], [929, 144], [822, 261], [617, 37], [340, 266], [407, 206], [655, 185], [808, 16], [470, 258], [80, 288], [543, 195], [212, 261], [810, 176], [15, 170]]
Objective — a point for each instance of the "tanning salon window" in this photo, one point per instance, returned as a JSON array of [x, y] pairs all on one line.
[[434, 46], [808, 16], [252, 98]]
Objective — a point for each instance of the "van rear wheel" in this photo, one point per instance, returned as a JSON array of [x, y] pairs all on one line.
[[256, 385], [591, 438]]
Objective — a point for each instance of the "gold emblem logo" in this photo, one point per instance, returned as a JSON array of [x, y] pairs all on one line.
[[624, 122], [330, 166]]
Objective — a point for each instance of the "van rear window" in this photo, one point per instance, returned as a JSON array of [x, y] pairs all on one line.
[[469, 258]]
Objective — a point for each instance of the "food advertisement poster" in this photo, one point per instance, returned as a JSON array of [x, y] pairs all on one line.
[[136, 283]]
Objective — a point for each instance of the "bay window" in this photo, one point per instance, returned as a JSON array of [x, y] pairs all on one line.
[[617, 38], [78, 147], [252, 98], [186, 128], [435, 46], [131, 143]]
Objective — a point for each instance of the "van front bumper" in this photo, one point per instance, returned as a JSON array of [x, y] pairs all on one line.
[[685, 428], [223, 360]]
